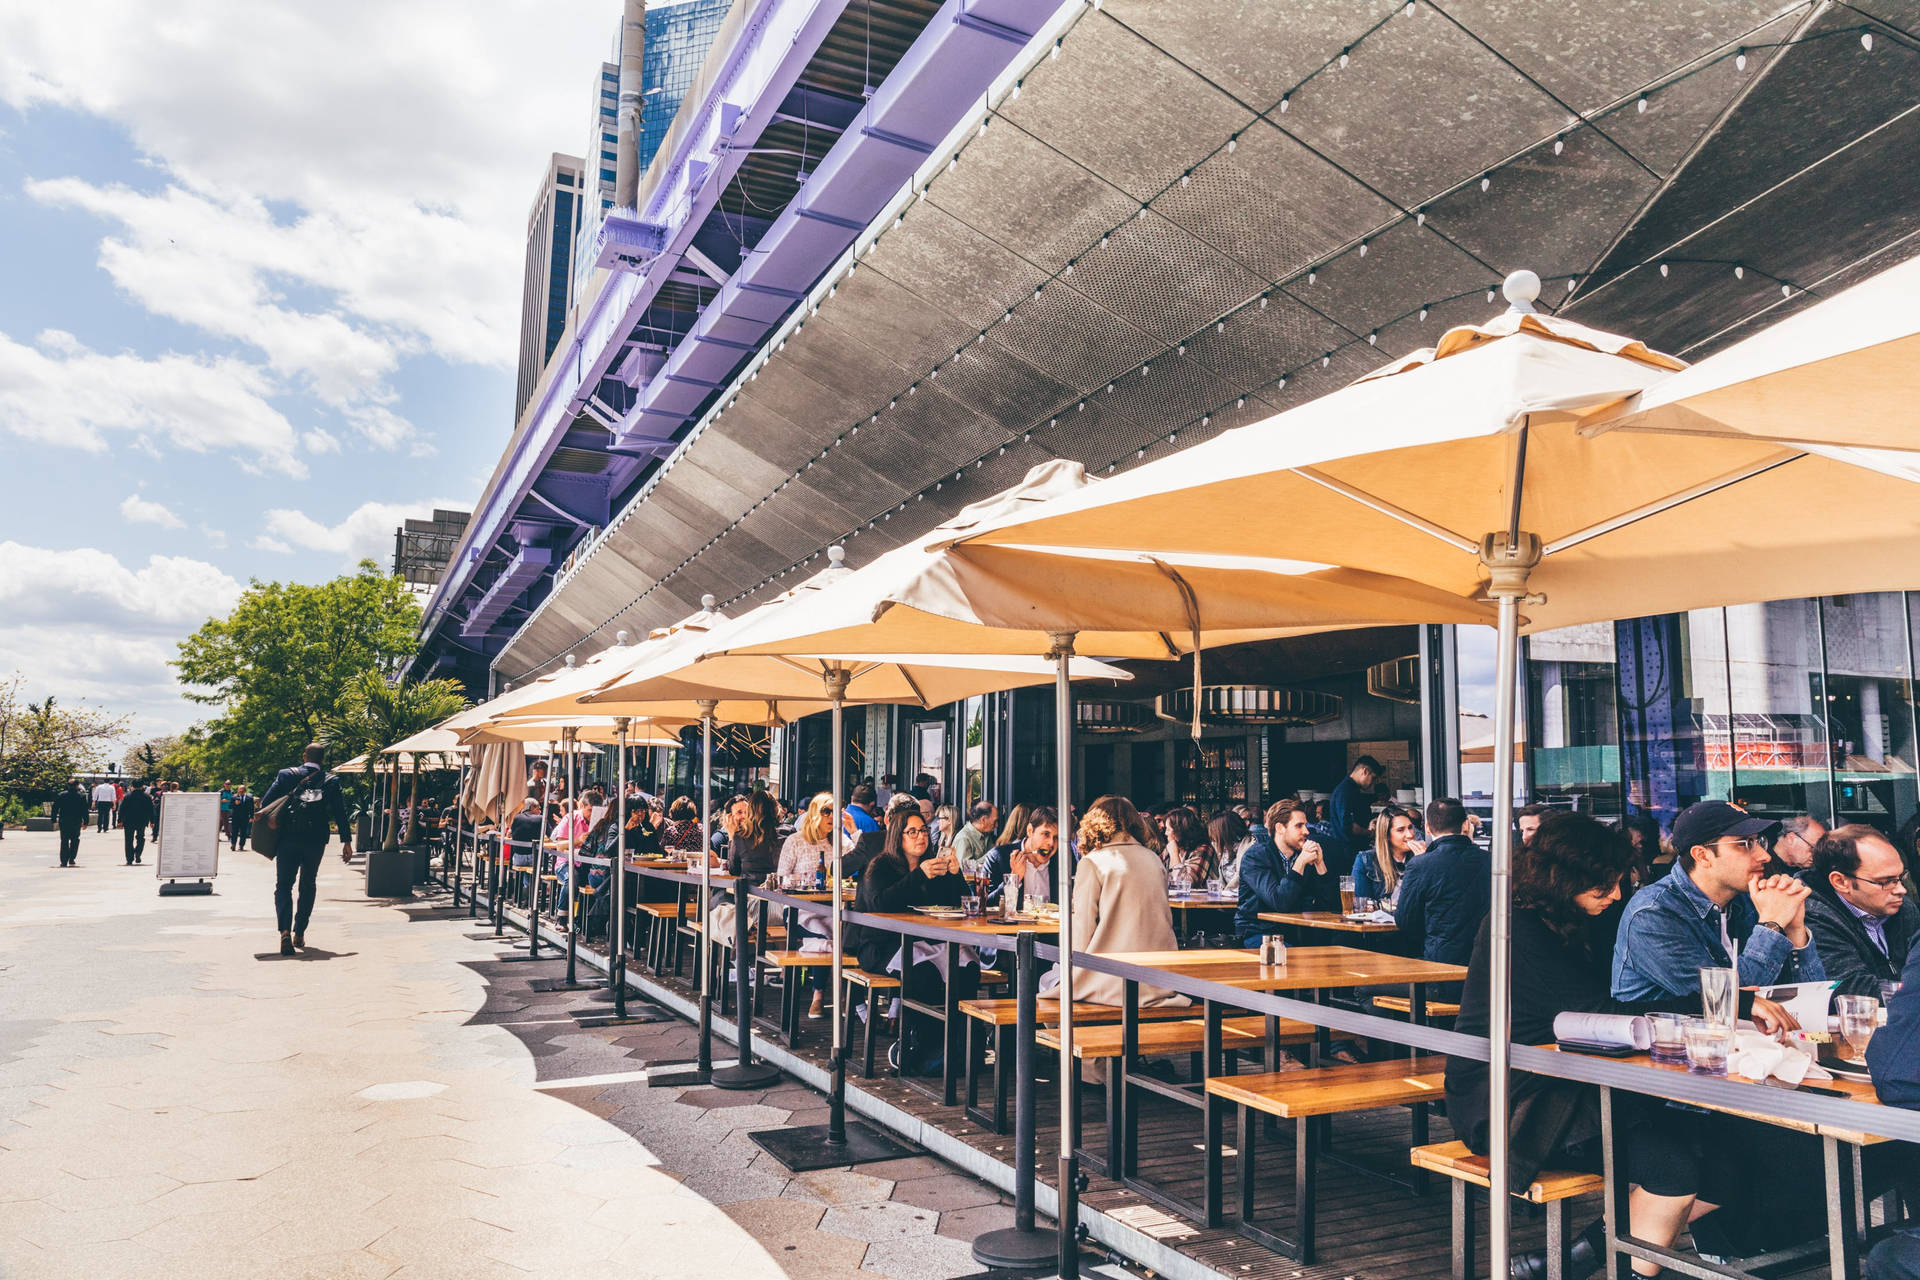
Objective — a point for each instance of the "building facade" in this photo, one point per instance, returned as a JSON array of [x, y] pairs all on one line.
[[546, 290]]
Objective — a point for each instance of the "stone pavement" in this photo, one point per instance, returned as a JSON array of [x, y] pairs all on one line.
[[178, 1100]]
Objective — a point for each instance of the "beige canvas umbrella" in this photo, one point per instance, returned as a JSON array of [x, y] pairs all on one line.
[[1837, 374], [496, 782], [598, 730], [356, 765], [1486, 472], [438, 740]]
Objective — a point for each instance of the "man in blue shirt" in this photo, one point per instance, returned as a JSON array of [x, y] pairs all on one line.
[[1445, 892], [1284, 871], [1714, 898], [1350, 811]]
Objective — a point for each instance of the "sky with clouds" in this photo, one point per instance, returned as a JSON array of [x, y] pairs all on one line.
[[261, 299]]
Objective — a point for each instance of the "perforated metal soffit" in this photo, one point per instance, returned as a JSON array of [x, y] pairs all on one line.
[[1796, 166]]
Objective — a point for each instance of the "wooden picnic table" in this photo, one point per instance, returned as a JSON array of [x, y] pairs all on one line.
[[1330, 920]]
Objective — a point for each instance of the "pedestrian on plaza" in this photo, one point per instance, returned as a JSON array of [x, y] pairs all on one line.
[[313, 797], [240, 818], [70, 815], [103, 801], [136, 814]]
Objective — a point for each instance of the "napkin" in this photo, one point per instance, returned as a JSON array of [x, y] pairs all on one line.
[[1756, 1056]]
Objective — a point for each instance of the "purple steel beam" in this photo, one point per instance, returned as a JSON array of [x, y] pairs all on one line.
[[939, 81], [776, 41]]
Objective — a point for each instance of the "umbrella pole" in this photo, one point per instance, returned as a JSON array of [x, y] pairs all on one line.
[[702, 1072], [571, 746], [833, 1145], [1510, 559], [617, 941], [533, 875], [459, 804], [1061, 651]]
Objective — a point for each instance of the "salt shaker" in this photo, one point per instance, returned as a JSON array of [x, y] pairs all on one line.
[[1273, 949]]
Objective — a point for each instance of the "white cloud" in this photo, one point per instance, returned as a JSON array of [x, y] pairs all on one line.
[[367, 531], [320, 440], [59, 392], [137, 510], [216, 538], [263, 543], [85, 587], [342, 188]]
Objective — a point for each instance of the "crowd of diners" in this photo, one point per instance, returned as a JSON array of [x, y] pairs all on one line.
[[1607, 917]]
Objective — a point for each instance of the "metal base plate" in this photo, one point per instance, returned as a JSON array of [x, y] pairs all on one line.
[[546, 985], [686, 1077], [178, 889], [523, 958], [751, 1075], [806, 1148], [1015, 1250]]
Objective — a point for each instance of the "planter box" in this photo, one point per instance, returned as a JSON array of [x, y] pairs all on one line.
[[389, 873], [422, 863]]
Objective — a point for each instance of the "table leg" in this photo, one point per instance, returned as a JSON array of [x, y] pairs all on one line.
[[1120, 1136], [949, 1023], [1843, 1194], [1417, 1012], [1612, 1157]]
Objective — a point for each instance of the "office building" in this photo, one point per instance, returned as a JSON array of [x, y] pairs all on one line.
[[546, 291]]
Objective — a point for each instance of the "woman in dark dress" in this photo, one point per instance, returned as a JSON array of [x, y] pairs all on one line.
[[1566, 895], [904, 875]]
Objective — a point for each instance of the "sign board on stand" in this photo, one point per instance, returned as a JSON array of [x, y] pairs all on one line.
[[189, 842]]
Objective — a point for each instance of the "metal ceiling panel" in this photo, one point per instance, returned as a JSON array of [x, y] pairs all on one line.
[[1256, 49], [1069, 337], [997, 384], [1019, 191], [1124, 110], [943, 261], [1406, 267], [1421, 106], [1255, 345], [1158, 279]]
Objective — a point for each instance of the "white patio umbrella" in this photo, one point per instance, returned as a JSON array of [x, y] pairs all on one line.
[[702, 667], [1487, 475]]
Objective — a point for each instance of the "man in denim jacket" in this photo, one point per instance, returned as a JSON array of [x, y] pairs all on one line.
[[1714, 897]]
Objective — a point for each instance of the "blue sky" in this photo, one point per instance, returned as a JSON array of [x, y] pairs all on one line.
[[261, 275]]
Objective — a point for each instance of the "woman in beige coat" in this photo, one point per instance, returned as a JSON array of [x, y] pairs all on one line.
[[1119, 900]]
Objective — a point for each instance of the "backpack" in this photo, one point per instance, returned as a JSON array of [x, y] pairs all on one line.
[[305, 814]]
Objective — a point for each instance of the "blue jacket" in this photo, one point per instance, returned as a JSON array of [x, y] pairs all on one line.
[[1269, 883], [1348, 807], [1893, 1055], [1671, 931], [1444, 896], [1366, 876]]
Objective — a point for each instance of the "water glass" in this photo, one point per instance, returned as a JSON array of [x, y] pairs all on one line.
[[1182, 883], [1362, 906], [1888, 990], [1719, 997], [1859, 1015], [1669, 1036], [1708, 1047], [1216, 888], [971, 904]]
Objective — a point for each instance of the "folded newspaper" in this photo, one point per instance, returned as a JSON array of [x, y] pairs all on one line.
[[1620, 1030]]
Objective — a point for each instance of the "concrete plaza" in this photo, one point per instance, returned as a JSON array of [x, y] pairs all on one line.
[[178, 1100]]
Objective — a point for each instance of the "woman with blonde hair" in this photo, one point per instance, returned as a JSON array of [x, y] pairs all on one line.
[[1015, 827], [1377, 871], [1119, 899], [811, 844], [946, 825]]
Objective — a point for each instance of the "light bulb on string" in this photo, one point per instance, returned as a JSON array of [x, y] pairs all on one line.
[[1423, 313], [1740, 60], [1103, 242], [1663, 271], [1489, 293], [1264, 299], [1312, 275], [1185, 178], [1570, 284], [1486, 180], [1284, 100], [1559, 144], [1786, 290], [1282, 384], [1373, 339], [1241, 403], [1739, 272], [1343, 58], [1054, 55], [1326, 359], [1069, 268], [1233, 144], [1016, 90], [1363, 253], [1640, 107], [1866, 41], [1420, 217]]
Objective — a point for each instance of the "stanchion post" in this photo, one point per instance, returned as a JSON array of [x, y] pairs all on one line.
[[573, 862], [1020, 1247], [702, 1072], [617, 928], [1061, 651]]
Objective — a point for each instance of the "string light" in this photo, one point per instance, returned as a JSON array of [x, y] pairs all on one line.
[[1343, 57], [1866, 41], [1640, 107], [1486, 180], [1363, 253], [1740, 60], [1559, 143]]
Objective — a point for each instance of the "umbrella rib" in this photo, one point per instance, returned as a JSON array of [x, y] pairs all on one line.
[[1668, 503], [913, 685], [1388, 509]]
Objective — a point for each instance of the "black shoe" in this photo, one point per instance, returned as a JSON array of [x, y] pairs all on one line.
[[286, 944], [1583, 1259], [300, 940]]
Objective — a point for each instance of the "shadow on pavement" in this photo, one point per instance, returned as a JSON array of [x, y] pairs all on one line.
[[311, 953]]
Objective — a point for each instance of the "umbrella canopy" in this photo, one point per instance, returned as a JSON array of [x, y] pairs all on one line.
[[1486, 443], [600, 730], [496, 782], [1134, 603], [705, 667], [435, 741], [356, 765], [1837, 374]]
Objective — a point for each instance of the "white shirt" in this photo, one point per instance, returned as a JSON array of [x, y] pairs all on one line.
[[103, 793]]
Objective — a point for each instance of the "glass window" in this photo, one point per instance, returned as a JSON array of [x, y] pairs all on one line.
[[1476, 653], [1672, 696], [1869, 685], [1573, 720], [1778, 725]]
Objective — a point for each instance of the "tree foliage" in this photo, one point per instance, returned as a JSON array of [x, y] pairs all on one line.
[[372, 714], [278, 664], [44, 743]]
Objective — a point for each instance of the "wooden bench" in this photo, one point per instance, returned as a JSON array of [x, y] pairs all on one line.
[[1402, 1004], [1311, 1099], [792, 964], [872, 985], [657, 915], [999, 1018], [1467, 1171]]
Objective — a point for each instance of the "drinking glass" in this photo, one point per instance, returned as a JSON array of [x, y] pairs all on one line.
[[1182, 883], [1216, 888], [971, 904], [1719, 996], [1669, 1036], [1707, 1048], [1362, 906], [1888, 990], [1346, 894], [1859, 1015]]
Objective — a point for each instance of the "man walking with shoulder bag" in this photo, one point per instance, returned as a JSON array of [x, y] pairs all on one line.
[[311, 798]]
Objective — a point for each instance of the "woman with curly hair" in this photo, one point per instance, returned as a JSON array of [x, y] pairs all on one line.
[[1187, 847], [1566, 893], [1119, 900]]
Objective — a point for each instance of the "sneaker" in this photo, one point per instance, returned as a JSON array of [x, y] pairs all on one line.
[[286, 944], [300, 941]]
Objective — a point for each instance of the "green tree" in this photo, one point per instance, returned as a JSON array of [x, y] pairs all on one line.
[[373, 714], [44, 743], [278, 663]]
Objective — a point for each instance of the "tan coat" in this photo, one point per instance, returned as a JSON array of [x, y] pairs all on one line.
[[1120, 904]]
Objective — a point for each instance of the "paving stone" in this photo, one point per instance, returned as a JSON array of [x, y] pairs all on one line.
[[875, 1222], [840, 1186], [966, 1224], [945, 1191], [933, 1258]]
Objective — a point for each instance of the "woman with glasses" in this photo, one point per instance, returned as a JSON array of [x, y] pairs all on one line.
[[908, 874]]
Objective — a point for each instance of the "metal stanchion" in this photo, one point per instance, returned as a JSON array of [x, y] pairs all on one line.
[[702, 1070], [570, 748], [835, 1143], [1068, 1225], [1021, 1247]]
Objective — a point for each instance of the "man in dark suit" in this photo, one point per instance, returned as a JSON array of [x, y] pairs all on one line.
[[136, 814], [70, 811], [313, 799], [1858, 913]]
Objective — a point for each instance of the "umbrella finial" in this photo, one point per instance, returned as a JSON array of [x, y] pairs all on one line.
[[1521, 288], [620, 638], [837, 555], [709, 601], [569, 662]]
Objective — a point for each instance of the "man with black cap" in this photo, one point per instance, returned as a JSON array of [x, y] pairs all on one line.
[[1715, 897]]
